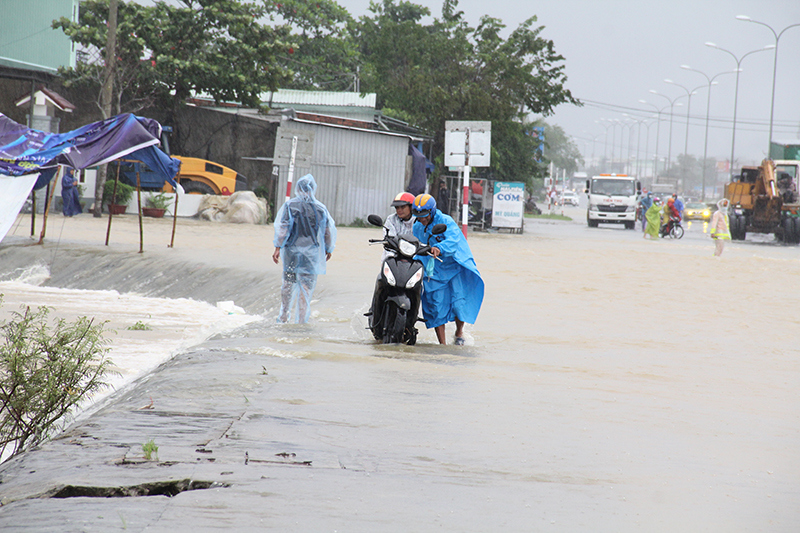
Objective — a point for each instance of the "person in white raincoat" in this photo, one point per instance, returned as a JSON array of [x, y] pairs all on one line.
[[305, 236], [720, 226]]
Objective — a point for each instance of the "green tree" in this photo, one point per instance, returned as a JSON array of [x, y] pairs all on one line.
[[45, 372], [448, 70], [325, 56], [167, 53], [561, 150]]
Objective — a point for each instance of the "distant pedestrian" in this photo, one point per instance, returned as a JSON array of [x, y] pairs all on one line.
[[305, 235], [720, 226], [653, 220], [645, 202], [70, 197], [443, 199]]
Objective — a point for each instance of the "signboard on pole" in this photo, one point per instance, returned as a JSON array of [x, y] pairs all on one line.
[[508, 204], [456, 134], [467, 144]]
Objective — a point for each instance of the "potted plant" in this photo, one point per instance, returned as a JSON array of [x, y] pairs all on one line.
[[157, 205], [118, 204]]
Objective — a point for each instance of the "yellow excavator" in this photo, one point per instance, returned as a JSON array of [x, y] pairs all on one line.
[[764, 199]]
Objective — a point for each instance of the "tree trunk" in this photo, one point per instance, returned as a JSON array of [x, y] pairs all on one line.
[[106, 97]]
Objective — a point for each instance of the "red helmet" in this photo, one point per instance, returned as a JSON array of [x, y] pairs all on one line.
[[404, 198]]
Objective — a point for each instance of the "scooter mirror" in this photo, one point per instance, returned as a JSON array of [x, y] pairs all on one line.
[[375, 220], [438, 229]]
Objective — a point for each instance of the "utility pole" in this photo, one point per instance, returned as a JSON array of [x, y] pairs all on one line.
[[106, 96]]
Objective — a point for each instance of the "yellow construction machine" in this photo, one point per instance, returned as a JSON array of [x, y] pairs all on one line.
[[764, 199]]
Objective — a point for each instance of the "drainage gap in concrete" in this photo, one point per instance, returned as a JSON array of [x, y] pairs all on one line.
[[157, 488]]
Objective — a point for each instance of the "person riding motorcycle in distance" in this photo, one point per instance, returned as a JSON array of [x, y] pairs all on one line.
[[452, 286], [671, 214]]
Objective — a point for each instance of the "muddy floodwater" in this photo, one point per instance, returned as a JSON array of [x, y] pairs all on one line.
[[610, 384]]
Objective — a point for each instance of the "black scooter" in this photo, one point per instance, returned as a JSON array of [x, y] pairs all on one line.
[[395, 303]]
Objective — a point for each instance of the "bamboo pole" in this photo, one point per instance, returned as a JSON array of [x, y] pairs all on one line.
[[139, 201], [51, 189], [33, 213], [174, 217], [113, 199]]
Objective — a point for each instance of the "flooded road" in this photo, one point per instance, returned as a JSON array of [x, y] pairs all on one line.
[[610, 384]]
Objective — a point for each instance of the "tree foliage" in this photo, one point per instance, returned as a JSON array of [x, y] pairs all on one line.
[[448, 70], [45, 371], [425, 70], [167, 53]]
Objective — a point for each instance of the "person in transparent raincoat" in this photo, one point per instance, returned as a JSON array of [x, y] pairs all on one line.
[[305, 235]]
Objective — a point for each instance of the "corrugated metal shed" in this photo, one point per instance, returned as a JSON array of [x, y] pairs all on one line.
[[357, 171]]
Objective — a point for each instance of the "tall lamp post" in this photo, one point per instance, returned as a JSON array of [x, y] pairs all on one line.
[[671, 105], [708, 108], [736, 93], [774, 68], [658, 133], [689, 93], [639, 123], [605, 144]]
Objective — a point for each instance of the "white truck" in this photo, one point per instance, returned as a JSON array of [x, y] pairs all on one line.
[[613, 199]]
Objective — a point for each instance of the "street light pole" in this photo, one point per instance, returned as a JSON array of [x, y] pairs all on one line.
[[671, 105], [605, 143], [736, 92], [658, 133], [774, 69], [689, 93], [708, 109]]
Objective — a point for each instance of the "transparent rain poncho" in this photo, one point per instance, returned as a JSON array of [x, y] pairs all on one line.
[[305, 232]]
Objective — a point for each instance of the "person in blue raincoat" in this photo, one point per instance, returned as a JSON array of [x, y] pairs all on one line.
[[452, 289], [69, 193], [305, 235]]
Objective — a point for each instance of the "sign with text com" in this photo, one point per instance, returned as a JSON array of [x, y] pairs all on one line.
[[507, 207]]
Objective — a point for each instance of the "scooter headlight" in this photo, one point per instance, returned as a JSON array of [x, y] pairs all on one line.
[[414, 279], [387, 273], [407, 248]]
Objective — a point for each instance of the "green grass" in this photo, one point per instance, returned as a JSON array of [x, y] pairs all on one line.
[[549, 217]]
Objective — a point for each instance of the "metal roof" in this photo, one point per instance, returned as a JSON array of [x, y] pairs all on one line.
[[289, 97]]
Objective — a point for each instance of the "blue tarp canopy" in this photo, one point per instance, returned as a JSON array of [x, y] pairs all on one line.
[[25, 151]]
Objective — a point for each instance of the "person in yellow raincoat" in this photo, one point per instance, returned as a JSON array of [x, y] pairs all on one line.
[[653, 219], [720, 226]]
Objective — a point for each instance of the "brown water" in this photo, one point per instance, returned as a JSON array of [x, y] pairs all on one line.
[[610, 384]]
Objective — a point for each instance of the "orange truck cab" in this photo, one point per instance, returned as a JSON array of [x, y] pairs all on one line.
[[205, 177]]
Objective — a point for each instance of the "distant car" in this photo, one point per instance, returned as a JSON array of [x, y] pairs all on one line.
[[569, 198], [696, 211]]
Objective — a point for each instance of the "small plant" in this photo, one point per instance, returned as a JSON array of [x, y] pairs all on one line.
[[261, 191], [159, 201], [359, 223], [149, 448], [123, 196], [46, 371], [139, 326]]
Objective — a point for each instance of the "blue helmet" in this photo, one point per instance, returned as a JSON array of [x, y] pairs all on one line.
[[423, 205]]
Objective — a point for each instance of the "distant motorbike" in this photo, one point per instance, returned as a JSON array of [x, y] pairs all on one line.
[[675, 232], [531, 207], [396, 300]]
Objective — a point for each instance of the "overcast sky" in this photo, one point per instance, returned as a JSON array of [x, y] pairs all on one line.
[[616, 51]]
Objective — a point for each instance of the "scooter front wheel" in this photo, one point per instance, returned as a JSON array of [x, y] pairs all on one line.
[[394, 324], [677, 232]]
